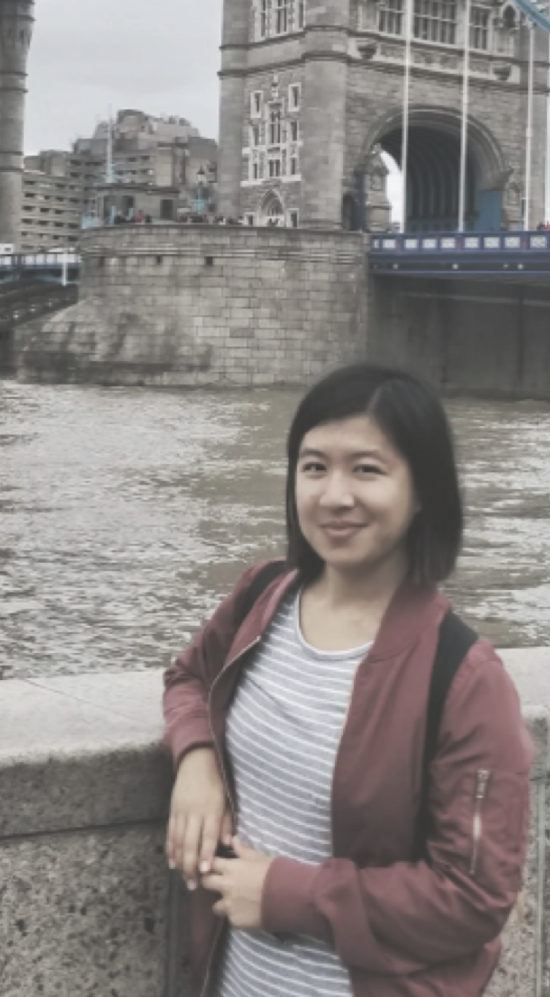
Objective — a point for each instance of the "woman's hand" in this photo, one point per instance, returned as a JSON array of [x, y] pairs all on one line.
[[240, 881], [200, 816]]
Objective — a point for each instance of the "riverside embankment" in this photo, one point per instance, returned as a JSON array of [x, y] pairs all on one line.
[[126, 514]]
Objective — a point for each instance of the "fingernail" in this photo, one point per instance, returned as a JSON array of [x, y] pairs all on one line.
[[171, 864], [204, 867], [191, 885]]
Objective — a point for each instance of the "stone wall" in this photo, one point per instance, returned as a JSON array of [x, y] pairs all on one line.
[[88, 906], [206, 305], [488, 337], [497, 115]]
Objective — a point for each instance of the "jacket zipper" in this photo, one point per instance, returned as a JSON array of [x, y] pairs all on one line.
[[228, 794], [482, 781]]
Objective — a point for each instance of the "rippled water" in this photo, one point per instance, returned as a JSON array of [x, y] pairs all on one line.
[[125, 514]]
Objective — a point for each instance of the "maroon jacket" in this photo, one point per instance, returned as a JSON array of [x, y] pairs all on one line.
[[403, 929]]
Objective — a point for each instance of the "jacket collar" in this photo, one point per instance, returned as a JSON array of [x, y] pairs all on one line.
[[411, 610]]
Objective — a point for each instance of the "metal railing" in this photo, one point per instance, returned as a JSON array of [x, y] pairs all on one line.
[[38, 261], [462, 243]]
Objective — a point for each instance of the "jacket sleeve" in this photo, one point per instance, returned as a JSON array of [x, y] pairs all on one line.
[[408, 916], [188, 680]]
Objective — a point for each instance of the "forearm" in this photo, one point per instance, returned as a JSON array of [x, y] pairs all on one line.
[[186, 722], [394, 920]]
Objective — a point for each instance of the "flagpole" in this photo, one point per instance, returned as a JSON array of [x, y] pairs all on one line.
[[464, 120], [409, 9], [529, 129], [110, 178]]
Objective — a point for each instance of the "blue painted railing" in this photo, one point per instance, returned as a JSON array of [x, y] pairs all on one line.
[[463, 242], [501, 254], [38, 261], [535, 12]]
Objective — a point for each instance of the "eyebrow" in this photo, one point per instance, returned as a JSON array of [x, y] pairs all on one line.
[[376, 454]]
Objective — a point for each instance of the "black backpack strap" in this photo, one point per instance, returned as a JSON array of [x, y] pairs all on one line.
[[455, 640], [263, 579]]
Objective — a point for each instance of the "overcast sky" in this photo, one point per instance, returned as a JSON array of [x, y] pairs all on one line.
[[159, 56]]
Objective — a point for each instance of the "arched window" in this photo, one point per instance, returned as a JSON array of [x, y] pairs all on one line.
[[272, 212], [509, 18]]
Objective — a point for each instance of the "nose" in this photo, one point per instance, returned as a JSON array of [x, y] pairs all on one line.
[[337, 493]]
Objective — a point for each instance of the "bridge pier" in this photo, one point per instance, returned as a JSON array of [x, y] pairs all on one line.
[[207, 305], [469, 336], [7, 352]]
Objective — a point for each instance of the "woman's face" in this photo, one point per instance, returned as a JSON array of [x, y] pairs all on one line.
[[355, 496]]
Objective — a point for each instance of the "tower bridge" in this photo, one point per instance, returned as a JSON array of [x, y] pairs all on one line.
[[311, 97], [312, 94]]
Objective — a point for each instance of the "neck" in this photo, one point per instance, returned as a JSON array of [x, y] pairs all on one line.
[[375, 588]]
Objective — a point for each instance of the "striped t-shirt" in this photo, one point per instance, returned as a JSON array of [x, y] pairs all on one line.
[[283, 733]]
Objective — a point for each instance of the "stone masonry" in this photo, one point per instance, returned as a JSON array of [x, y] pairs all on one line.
[[16, 22], [345, 57], [205, 305]]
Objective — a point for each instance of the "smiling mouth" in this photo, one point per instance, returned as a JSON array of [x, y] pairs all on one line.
[[342, 527]]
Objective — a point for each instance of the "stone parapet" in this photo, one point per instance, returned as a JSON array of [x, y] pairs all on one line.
[[88, 906]]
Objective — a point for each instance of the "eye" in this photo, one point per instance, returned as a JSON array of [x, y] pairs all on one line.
[[312, 467], [368, 469]]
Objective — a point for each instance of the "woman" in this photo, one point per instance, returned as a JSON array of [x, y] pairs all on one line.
[[298, 722]]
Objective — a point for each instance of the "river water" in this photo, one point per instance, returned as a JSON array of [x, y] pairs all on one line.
[[126, 514]]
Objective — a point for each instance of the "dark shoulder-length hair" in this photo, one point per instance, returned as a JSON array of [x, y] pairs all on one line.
[[411, 415]]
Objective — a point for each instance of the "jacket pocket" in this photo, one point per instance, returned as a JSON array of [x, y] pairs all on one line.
[[496, 822], [481, 787], [481, 825]]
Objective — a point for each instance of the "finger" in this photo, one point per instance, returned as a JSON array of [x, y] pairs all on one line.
[[213, 883], [209, 843], [179, 838], [191, 852], [221, 866], [171, 842], [227, 828], [219, 908]]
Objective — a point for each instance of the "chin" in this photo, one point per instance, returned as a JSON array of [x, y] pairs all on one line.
[[346, 560]]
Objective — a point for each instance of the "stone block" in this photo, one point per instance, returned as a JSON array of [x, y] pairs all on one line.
[[530, 669], [66, 755], [85, 914]]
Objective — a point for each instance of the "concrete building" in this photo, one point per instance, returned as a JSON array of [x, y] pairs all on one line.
[[157, 166], [53, 203], [16, 24], [312, 94], [147, 154]]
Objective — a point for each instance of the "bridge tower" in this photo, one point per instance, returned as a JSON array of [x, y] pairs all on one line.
[[312, 95], [16, 23]]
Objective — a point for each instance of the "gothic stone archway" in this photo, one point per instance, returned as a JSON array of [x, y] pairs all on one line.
[[433, 169]]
